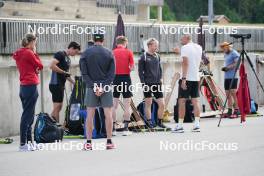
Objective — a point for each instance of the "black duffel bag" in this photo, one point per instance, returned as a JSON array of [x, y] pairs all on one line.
[[189, 116], [46, 129]]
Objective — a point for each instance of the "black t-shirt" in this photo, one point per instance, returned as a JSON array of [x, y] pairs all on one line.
[[64, 64]]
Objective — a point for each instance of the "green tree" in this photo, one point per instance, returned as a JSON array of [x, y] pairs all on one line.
[[239, 11]]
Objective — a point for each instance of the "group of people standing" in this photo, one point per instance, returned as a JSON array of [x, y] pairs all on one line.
[[113, 68], [101, 68]]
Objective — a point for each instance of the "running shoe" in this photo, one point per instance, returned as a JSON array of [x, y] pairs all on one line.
[[87, 146], [110, 146], [178, 129], [26, 148], [196, 128]]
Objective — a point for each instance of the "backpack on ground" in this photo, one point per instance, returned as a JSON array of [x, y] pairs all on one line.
[[46, 129], [253, 107], [189, 116]]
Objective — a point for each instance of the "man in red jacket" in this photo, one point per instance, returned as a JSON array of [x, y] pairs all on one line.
[[29, 65]]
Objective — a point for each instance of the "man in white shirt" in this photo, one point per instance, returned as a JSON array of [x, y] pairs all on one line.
[[191, 54]]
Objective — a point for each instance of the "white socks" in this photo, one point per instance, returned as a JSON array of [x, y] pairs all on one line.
[[180, 123], [197, 121]]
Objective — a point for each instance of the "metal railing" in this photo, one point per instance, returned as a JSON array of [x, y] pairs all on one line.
[[12, 31]]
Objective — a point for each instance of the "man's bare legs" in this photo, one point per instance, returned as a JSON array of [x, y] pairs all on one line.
[[232, 101], [234, 96], [229, 99], [181, 114], [161, 108], [89, 128], [115, 106], [148, 103], [89, 123], [55, 114], [108, 122], [127, 112], [235, 102], [196, 110], [196, 107], [126, 115]]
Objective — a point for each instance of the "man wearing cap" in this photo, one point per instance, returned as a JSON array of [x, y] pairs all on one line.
[[98, 71], [231, 58]]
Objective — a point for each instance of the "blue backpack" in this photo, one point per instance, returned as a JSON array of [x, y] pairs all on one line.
[[253, 107], [46, 130], [154, 112], [99, 130]]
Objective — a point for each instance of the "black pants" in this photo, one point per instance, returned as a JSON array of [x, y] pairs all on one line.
[[28, 95]]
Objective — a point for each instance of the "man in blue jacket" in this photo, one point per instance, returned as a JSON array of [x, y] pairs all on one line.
[[98, 71]]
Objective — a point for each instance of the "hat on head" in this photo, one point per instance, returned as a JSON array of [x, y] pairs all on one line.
[[225, 45], [98, 37]]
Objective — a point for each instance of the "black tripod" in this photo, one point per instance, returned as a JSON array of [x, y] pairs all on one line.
[[242, 57]]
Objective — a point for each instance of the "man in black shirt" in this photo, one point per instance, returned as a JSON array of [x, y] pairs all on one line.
[[60, 66], [150, 74]]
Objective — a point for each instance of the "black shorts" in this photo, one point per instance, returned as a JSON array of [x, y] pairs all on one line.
[[57, 93], [192, 90], [228, 83], [122, 85], [153, 89]]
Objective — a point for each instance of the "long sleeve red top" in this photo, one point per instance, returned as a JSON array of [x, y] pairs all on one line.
[[28, 64]]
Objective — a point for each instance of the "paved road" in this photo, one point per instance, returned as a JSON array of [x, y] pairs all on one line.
[[141, 154]]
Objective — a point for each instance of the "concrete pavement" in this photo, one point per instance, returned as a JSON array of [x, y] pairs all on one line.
[[141, 154]]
